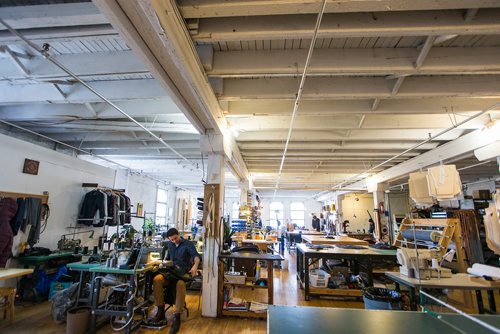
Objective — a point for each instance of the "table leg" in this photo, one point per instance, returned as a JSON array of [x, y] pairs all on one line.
[[130, 304], [479, 299], [270, 293], [397, 287], [306, 277], [78, 293], [94, 301], [413, 298], [369, 269], [491, 301]]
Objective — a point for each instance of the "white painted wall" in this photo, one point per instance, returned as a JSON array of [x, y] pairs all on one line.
[[62, 176], [59, 174], [354, 209]]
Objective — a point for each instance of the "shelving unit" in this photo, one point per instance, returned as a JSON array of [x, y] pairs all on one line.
[[270, 258]]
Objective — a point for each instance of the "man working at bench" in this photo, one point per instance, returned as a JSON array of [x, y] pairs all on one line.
[[185, 260]]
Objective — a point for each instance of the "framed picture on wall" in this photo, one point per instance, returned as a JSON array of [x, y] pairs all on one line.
[[31, 166]]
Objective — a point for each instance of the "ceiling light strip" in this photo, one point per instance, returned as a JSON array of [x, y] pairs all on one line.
[[431, 138], [46, 55], [299, 92]]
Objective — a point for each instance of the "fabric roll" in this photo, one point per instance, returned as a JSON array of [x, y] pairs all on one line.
[[423, 235]]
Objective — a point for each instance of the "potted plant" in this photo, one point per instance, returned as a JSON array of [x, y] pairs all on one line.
[[228, 233]]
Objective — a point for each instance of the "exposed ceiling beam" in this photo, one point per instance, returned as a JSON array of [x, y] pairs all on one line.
[[223, 8], [55, 15], [194, 144], [255, 123], [162, 106], [83, 65], [387, 106], [457, 147], [361, 87], [114, 90], [356, 134], [107, 126], [424, 52], [61, 34], [268, 145], [378, 61], [419, 23], [86, 136]]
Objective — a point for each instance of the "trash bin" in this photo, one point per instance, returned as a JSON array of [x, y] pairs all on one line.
[[381, 299], [77, 320]]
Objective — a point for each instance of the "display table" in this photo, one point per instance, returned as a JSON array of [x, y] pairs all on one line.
[[126, 311], [336, 240], [270, 258], [307, 256], [457, 281], [314, 320]]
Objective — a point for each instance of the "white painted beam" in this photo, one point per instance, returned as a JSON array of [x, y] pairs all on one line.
[[356, 134], [458, 147], [378, 61], [397, 144], [191, 145], [223, 8], [96, 136], [61, 34], [332, 107], [83, 65], [162, 106], [110, 126], [304, 122], [115, 90], [361, 88], [55, 15], [383, 24], [424, 52]]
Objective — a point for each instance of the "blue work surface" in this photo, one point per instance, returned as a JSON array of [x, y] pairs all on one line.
[[316, 320]]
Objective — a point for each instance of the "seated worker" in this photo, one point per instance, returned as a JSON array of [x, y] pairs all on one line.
[[186, 260]]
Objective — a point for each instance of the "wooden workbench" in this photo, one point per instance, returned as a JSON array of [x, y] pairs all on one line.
[[336, 240]]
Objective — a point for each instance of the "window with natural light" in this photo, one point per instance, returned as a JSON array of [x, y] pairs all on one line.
[[276, 213], [297, 213], [235, 213], [161, 207]]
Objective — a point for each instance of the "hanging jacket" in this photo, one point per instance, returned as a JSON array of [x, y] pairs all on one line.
[[18, 219], [8, 209], [92, 202]]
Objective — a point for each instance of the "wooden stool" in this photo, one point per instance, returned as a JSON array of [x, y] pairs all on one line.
[[8, 294]]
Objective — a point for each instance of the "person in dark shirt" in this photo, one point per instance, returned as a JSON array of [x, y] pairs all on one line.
[[185, 260], [316, 223]]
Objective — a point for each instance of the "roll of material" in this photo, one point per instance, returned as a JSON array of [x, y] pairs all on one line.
[[423, 235], [484, 270]]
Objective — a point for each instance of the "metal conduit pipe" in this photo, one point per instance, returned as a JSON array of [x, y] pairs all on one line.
[[431, 138], [77, 149], [44, 52], [299, 92]]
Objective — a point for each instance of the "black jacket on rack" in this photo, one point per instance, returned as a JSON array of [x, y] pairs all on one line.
[[92, 202]]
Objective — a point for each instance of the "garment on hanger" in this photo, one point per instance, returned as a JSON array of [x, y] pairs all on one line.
[[18, 219], [33, 218], [8, 209], [94, 201]]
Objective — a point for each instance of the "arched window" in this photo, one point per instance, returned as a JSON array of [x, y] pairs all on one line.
[[297, 212], [276, 213], [235, 213]]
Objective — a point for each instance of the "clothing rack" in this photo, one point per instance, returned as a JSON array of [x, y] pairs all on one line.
[[44, 198]]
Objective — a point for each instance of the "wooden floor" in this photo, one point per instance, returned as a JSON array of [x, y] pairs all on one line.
[[37, 319]]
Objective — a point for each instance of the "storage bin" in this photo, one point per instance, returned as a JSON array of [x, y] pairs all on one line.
[[319, 278], [381, 299]]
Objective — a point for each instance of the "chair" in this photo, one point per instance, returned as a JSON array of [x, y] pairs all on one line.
[[8, 294]]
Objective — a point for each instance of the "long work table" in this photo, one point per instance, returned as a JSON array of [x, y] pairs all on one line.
[[307, 256], [459, 281], [312, 320], [335, 240]]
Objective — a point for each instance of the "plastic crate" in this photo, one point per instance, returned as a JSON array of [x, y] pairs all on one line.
[[319, 278]]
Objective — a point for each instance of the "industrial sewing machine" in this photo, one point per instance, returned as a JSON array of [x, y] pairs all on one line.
[[424, 245]]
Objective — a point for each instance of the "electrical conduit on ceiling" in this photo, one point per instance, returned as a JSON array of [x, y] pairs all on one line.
[[44, 52], [431, 138], [299, 93]]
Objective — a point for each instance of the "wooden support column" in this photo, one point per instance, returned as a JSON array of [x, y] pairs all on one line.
[[381, 221], [212, 213]]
